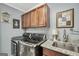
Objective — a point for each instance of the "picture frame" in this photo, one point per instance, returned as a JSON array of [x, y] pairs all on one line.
[[65, 19], [16, 23]]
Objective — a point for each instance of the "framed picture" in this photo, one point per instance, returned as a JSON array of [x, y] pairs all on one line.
[[65, 19], [16, 23]]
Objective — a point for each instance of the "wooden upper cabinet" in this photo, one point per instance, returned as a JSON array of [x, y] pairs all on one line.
[[23, 21], [34, 18], [26, 20], [42, 16]]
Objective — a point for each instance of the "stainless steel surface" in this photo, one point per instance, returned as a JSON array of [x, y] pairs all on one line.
[[17, 38], [25, 50], [31, 46], [64, 45], [27, 45], [14, 45], [13, 48]]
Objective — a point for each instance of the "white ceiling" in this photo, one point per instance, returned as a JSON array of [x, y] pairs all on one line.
[[22, 6]]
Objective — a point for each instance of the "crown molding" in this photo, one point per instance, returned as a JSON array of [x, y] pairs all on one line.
[[24, 10], [14, 7], [38, 5]]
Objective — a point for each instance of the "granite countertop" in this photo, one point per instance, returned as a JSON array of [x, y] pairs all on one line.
[[48, 44]]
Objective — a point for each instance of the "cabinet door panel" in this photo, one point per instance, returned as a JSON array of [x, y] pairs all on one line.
[[27, 21], [34, 18], [42, 15], [23, 21]]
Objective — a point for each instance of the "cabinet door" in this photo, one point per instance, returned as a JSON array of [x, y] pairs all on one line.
[[26, 20], [23, 21], [34, 18], [42, 15], [48, 52]]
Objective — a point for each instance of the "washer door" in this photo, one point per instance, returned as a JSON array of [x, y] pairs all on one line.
[[25, 50]]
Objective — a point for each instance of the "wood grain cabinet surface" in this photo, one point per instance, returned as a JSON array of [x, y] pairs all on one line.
[[26, 20], [47, 52], [36, 17], [42, 15], [23, 21]]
